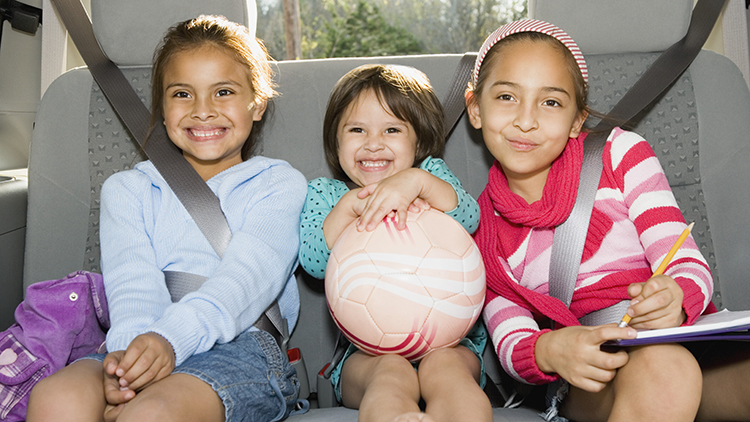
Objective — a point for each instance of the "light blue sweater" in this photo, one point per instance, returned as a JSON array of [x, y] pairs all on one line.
[[145, 230]]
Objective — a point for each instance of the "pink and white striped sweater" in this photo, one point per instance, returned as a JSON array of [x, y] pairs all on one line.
[[635, 223]]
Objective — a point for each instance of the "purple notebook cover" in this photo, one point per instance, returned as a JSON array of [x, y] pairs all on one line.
[[723, 325]]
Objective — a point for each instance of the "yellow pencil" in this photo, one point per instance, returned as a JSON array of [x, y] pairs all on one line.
[[664, 263]]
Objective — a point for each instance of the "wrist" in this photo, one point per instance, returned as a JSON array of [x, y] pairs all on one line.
[[541, 351]]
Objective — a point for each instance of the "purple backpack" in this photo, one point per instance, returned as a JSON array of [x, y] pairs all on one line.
[[58, 322]]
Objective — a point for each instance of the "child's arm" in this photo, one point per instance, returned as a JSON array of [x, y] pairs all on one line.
[[684, 292], [262, 203], [399, 191], [323, 195], [465, 210], [348, 209]]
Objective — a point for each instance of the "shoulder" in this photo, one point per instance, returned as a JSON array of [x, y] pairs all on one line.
[[258, 172], [324, 184], [628, 148], [437, 167], [330, 190], [432, 163], [263, 165], [141, 177]]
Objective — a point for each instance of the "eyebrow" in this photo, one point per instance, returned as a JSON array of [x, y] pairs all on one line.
[[544, 89], [183, 85], [388, 123]]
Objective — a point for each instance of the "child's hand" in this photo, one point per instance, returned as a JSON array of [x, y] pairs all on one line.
[[396, 194], [113, 392], [148, 358], [348, 209], [657, 303], [575, 354]]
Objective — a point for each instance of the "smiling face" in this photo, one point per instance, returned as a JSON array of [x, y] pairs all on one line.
[[372, 143], [527, 112], [209, 108]]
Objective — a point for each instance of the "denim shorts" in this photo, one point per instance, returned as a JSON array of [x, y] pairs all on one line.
[[475, 340], [250, 374]]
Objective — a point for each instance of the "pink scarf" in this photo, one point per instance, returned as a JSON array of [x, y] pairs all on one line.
[[498, 237]]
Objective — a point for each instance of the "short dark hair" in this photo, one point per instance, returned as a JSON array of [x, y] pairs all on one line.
[[405, 91]]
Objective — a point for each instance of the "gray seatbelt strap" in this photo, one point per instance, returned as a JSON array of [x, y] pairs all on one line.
[[192, 191], [569, 238], [194, 194], [179, 284], [454, 104]]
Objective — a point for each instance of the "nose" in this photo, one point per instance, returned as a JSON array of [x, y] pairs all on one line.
[[526, 119], [203, 109], [373, 143]]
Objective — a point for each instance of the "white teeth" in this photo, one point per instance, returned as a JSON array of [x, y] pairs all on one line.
[[373, 163], [205, 134]]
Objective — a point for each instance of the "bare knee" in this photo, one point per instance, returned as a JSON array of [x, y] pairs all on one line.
[[74, 393], [389, 368], [148, 407], [667, 363], [659, 382], [452, 362], [178, 397]]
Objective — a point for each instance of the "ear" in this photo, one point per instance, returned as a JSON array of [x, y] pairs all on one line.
[[575, 129], [259, 109], [472, 109]]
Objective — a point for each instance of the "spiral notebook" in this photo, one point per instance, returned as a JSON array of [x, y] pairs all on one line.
[[722, 325]]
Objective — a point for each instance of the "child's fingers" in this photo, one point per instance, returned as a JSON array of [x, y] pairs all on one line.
[[659, 305], [112, 361], [158, 371], [114, 394], [134, 362], [401, 217], [366, 191], [635, 289], [421, 203], [111, 413], [604, 333], [155, 362]]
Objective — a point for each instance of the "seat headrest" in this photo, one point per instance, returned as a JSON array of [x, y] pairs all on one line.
[[129, 30], [617, 26]]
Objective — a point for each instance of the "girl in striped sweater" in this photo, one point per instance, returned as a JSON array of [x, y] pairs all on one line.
[[528, 96]]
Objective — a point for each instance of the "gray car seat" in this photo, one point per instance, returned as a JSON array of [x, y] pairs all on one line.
[[700, 129]]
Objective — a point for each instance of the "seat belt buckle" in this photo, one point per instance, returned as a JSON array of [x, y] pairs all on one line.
[[295, 359], [326, 397]]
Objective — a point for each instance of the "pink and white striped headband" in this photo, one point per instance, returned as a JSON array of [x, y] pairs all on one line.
[[531, 25]]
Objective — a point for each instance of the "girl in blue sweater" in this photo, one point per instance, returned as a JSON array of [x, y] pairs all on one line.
[[197, 357]]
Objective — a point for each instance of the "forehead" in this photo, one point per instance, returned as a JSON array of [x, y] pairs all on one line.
[[205, 62], [365, 102], [531, 60]]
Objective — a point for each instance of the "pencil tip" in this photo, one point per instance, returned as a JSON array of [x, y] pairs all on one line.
[[690, 227]]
